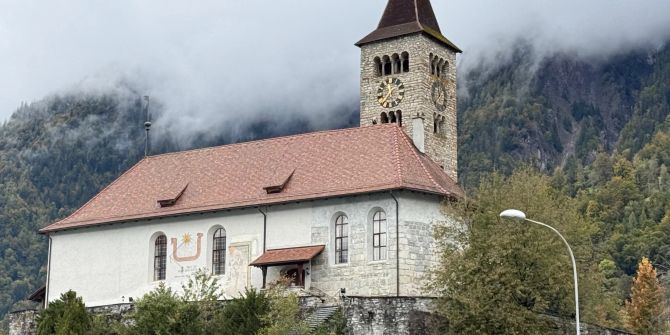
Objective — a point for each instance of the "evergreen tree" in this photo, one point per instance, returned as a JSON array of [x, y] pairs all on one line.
[[65, 316], [646, 311]]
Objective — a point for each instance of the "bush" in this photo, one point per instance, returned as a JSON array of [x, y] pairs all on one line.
[[65, 316]]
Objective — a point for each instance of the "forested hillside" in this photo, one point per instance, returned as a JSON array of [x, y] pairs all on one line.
[[599, 127]]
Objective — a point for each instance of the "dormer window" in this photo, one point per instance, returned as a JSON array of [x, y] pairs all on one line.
[[170, 197], [279, 183]]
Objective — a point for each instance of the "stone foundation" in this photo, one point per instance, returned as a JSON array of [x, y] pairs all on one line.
[[365, 316]]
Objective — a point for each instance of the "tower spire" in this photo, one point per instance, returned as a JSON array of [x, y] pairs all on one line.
[[404, 17]]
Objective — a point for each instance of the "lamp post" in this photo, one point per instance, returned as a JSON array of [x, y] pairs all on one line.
[[521, 216]]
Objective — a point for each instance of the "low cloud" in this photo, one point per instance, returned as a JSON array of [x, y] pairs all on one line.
[[215, 64]]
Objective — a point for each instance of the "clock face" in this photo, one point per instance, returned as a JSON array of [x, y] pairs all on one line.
[[439, 95], [390, 92]]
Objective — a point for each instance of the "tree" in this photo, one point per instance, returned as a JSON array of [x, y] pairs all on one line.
[[244, 315], [65, 316], [499, 276], [162, 312], [284, 315], [646, 311]]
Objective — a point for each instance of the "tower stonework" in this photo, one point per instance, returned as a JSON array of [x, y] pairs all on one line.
[[408, 76]]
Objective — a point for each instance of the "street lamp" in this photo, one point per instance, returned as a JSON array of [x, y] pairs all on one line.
[[521, 216]]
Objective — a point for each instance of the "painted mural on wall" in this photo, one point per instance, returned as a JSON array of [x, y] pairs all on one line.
[[239, 274], [186, 249]]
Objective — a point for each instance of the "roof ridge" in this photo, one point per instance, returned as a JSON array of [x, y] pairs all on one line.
[[423, 166], [271, 139], [397, 154], [99, 193]]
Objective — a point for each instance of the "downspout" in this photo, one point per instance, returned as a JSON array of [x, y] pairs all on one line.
[[397, 245], [265, 227], [46, 293]]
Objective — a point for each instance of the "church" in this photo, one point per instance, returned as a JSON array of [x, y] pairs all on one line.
[[344, 211]]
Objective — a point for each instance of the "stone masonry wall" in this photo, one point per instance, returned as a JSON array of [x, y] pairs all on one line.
[[417, 100], [23, 322]]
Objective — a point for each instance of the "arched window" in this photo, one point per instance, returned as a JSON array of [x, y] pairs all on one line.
[[378, 67], [442, 126], [398, 115], [405, 61], [383, 118], [160, 257], [396, 63], [379, 236], [433, 66], [445, 68], [341, 240], [392, 117], [219, 252], [435, 123], [439, 68], [386, 61]]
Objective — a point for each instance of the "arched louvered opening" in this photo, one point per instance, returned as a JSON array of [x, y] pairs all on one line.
[[383, 118], [387, 65], [396, 63], [378, 67], [404, 57]]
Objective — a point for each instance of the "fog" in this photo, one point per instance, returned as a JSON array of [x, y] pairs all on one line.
[[211, 63]]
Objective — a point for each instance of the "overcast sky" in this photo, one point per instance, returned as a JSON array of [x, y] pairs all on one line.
[[215, 60]]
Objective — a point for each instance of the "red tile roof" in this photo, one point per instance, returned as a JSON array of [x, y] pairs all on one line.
[[323, 164], [288, 255]]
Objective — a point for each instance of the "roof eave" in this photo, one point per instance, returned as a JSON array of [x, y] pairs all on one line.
[[113, 221], [435, 35]]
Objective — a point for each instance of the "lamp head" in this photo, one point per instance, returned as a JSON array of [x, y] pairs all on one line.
[[513, 214]]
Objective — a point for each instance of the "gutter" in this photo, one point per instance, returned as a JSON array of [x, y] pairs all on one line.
[[397, 244], [265, 228]]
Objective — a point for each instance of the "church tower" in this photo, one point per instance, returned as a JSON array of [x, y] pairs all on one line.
[[408, 76]]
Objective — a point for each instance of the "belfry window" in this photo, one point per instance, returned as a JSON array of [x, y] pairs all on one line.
[[160, 257], [388, 66], [383, 118], [396, 63], [341, 240], [392, 117], [219, 252], [405, 61], [398, 116], [379, 236], [378, 67]]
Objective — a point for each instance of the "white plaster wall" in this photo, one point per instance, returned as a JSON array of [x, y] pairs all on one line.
[[104, 264]]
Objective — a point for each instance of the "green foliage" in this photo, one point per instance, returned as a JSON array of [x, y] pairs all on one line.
[[244, 315], [284, 316], [498, 276], [162, 312], [65, 316]]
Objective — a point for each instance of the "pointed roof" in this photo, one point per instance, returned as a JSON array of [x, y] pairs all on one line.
[[313, 166], [404, 17]]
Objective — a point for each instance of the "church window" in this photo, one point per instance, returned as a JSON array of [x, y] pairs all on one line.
[[383, 118], [341, 240], [439, 68], [387, 66], [435, 122], [378, 67], [396, 63], [432, 64], [405, 61], [160, 257], [219, 252], [442, 125], [379, 236], [445, 68], [398, 115], [392, 117]]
